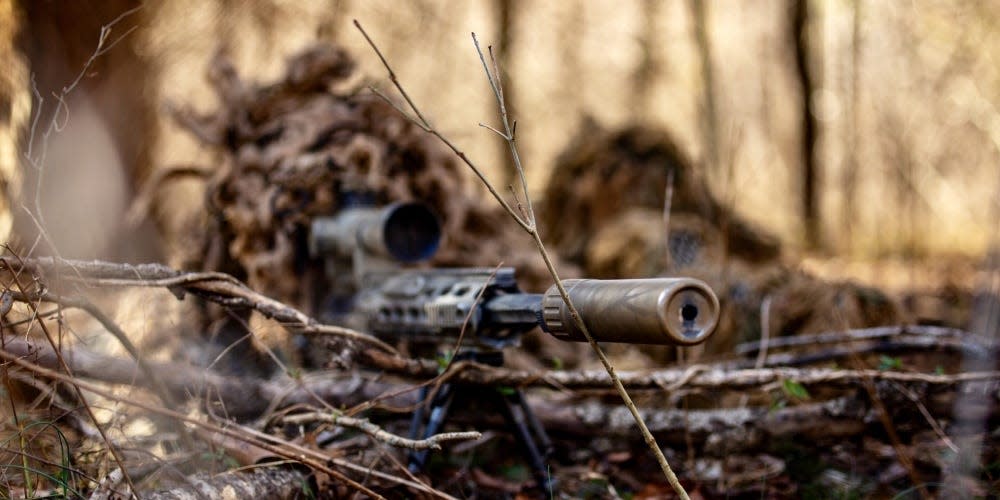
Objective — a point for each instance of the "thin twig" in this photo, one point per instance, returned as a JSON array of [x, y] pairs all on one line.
[[426, 126], [109, 325], [859, 335], [529, 226], [902, 453], [37, 161], [765, 336], [112, 449], [927, 416], [379, 433], [216, 287], [668, 198], [695, 377]]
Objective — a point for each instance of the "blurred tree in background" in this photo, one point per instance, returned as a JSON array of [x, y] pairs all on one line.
[[869, 127]]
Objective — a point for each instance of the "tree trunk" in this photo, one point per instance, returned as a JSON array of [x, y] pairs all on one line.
[[850, 175], [710, 115], [801, 41], [644, 78], [506, 23]]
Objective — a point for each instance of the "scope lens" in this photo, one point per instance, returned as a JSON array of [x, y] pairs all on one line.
[[412, 232]]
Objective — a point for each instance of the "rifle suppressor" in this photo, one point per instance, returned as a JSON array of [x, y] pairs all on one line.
[[680, 311]]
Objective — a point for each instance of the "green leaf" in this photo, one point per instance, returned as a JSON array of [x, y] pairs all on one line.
[[794, 389], [777, 404], [557, 363], [516, 472], [444, 359], [886, 363]]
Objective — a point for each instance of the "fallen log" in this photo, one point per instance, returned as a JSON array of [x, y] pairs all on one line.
[[263, 482]]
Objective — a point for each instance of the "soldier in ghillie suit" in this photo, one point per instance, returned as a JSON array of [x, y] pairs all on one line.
[[603, 210]]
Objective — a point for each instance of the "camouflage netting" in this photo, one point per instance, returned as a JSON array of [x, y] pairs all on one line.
[[603, 211], [291, 148]]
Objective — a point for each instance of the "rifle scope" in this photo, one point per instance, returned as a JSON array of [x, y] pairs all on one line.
[[392, 301], [407, 232]]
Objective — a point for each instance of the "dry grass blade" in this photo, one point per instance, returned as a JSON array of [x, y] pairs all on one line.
[[33, 308]]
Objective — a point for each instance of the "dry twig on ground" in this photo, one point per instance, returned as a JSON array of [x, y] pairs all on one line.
[[213, 286]]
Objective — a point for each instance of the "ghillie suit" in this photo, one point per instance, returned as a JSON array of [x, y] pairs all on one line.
[[620, 177], [604, 211], [289, 152]]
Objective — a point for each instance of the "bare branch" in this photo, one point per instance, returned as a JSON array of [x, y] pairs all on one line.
[[216, 287], [423, 123], [392, 77], [112, 449], [696, 377], [528, 223], [400, 110], [495, 131], [380, 434], [260, 482], [875, 333]]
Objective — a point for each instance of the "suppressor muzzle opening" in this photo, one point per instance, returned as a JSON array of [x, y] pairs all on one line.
[[689, 314]]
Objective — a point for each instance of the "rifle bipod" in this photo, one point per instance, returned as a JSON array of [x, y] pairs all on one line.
[[511, 401]]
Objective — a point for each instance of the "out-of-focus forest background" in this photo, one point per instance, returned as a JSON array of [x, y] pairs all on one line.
[[844, 152], [901, 98]]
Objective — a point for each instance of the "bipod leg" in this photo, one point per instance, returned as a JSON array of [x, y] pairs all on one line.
[[417, 421], [530, 434], [438, 414]]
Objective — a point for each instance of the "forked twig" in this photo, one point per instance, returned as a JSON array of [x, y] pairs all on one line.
[[37, 159], [422, 122], [527, 222]]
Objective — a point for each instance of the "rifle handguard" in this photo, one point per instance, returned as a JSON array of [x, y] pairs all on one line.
[[687, 310]]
